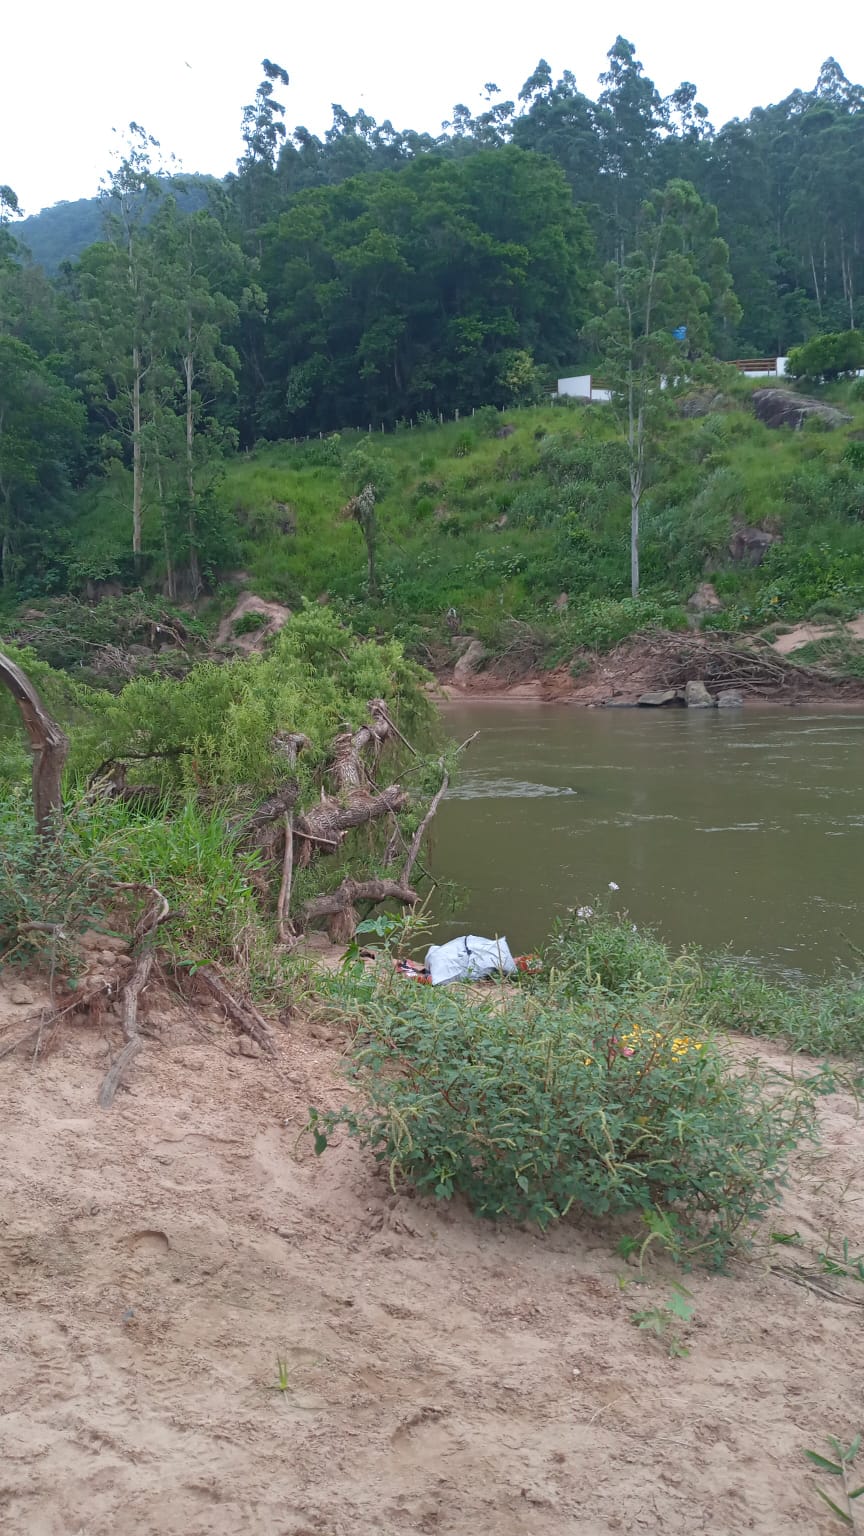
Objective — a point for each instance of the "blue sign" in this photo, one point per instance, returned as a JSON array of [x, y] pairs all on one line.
[[680, 333]]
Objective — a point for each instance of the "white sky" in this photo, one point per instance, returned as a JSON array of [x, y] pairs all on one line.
[[71, 72]]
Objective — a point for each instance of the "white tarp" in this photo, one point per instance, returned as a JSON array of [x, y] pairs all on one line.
[[468, 959]]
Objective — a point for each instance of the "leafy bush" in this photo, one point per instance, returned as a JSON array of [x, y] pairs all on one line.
[[215, 727], [530, 1106], [828, 356], [249, 622]]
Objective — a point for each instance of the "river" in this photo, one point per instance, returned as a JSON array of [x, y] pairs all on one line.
[[739, 830]]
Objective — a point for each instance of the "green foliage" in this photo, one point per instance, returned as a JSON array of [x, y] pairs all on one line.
[[67, 634], [841, 1468], [186, 851], [531, 1103], [372, 327], [601, 950], [827, 357], [215, 727], [249, 622], [663, 1320]]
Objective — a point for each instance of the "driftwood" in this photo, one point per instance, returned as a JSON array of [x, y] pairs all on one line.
[[242, 1013], [753, 668], [48, 744], [145, 932], [347, 769], [339, 906]]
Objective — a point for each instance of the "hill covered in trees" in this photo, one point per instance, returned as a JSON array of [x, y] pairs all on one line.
[[382, 279]]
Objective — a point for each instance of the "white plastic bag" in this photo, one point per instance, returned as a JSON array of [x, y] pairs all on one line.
[[468, 959]]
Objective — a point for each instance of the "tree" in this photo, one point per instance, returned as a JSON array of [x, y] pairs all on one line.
[[194, 319], [263, 135], [129, 187], [830, 356], [9, 205], [41, 425], [400, 291], [659, 310]]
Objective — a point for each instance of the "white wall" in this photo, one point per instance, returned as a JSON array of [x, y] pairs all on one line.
[[579, 387]]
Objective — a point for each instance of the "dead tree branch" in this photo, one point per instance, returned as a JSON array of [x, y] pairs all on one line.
[[48, 744], [326, 823], [284, 929], [417, 840]]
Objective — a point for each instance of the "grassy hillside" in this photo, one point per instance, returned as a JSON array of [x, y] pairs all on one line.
[[498, 528]]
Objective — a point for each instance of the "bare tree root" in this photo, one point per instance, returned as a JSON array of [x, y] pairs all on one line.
[[242, 1013], [145, 932], [113, 1077]]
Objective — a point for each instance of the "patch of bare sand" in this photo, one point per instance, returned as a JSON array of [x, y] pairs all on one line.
[[444, 1376], [806, 634]]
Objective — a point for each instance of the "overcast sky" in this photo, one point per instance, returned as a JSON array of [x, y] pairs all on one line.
[[72, 72]]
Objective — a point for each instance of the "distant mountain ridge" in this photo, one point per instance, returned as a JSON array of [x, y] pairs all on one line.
[[62, 232]]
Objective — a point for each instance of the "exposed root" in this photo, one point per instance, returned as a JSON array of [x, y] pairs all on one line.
[[113, 1077], [242, 1013], [145, 932]]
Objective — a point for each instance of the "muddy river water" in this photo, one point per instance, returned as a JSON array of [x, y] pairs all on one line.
[[739, 830]]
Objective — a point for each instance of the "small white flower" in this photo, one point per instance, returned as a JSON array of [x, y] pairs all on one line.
[[633, 926], [613, 886], [584, 912]]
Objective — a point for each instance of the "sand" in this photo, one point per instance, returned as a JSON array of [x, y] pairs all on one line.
[[443, 1375]]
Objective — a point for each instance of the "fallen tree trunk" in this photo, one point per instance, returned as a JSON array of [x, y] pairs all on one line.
[[347, 770], [48, 744], [339, 906], [328, 822]]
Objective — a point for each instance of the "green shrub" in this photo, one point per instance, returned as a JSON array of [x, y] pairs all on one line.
[[829, 356], [530, 1106], [215, 727], [249, 622]]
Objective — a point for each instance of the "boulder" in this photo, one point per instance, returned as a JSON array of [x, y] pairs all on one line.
[[749, 546], [696, 695], [704, 599], [785, 408], [469, 662], [658, 699], [730, 698], [702, 404]]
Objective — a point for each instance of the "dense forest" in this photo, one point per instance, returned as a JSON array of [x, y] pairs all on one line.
[[378, 277]]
